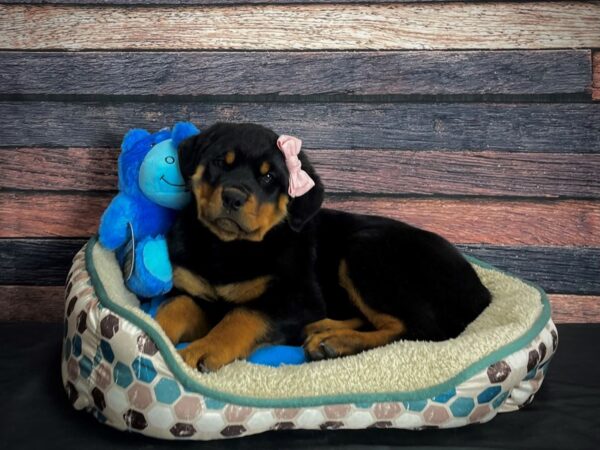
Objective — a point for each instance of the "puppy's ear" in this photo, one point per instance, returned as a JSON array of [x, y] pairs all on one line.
[[302, 209], [191, 150], [189, 153]]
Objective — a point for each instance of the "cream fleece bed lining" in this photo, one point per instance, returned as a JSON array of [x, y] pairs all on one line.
[[398, 367]]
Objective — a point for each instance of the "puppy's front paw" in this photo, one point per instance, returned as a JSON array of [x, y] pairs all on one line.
[[203, 356], [332, 344]]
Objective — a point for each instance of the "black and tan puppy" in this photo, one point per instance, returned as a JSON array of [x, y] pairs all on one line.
[[254, 265]]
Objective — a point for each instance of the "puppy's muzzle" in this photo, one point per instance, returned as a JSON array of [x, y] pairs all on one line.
[[234, 198]]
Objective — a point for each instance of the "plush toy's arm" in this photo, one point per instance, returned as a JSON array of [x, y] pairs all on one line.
[[152, 274], [114, 222]]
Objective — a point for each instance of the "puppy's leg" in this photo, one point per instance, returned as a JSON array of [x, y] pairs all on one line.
[[330, 324], [182, 319], [234, 337], [344, 341]]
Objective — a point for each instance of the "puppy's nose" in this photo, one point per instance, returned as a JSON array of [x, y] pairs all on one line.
[[233, 198]]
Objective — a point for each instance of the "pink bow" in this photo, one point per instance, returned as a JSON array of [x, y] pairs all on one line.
[[300, 181]]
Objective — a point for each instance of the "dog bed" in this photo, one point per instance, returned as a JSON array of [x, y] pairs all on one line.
[[119, 365]]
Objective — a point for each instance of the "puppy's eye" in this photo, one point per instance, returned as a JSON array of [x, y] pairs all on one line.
[[219, 162], [267, 179]]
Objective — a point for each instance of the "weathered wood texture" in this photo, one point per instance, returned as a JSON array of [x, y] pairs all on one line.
[[557, 269], [542, 25], [79, 169], [375, 172], [515, 182], [293, 73], [459, 173], [490, 222], [596, 76], [36, 261], [46, 304], [32, 303], [566, 222], [201, 2], [562, 270], [570, 127], [575, 308], [41, 215]]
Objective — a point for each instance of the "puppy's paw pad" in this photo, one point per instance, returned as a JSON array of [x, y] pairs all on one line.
[[324, 345], [191, 357]]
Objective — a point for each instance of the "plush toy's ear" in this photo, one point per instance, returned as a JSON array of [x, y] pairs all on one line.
[[133, 137], [182, 131], [302, 209]]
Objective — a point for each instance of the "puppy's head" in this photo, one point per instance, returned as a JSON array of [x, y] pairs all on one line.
[[240, 182]]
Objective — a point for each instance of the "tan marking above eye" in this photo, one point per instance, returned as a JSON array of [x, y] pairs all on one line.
[[230, 157], [265, 167]]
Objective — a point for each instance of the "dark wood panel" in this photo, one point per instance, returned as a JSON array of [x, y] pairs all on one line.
[[36, 261], [46, 304], [556, 269], [569, 223], [456, 25], [565, 270], [32, 303], [376, 171], [296, 73], [575, 308], [411, 126]]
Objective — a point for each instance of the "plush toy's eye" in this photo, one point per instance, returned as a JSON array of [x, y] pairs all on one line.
[[169, 160]]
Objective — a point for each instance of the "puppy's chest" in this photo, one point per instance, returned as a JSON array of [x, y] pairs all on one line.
[[242, 291]]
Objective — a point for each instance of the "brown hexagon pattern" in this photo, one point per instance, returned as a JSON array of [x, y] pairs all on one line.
[[234, 413], [103, 376], [140, 395], [286, 413], [336, 411], [72, 369], [188, 407], [387, 410], [498, 372], [479, 413], [436, 414], [146, 345], [532, 359], [233, 430], [182, 430], [135, 419], [109, 326]]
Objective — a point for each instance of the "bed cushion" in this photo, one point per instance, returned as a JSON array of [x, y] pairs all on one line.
[[119, 365]]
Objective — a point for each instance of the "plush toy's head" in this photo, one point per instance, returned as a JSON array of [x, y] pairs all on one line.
[[148, 165]]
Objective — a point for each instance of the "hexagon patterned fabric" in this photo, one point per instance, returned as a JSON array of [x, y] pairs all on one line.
[[114, 370]]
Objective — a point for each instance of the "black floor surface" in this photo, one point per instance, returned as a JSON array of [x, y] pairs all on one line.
[[35, 414]]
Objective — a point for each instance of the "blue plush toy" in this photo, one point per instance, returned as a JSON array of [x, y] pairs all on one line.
[[151, 191]]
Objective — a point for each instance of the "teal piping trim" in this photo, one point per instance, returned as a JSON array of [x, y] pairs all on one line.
[[193, 385]]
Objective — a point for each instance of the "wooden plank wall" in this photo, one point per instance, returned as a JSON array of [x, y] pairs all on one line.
[[476, 120]]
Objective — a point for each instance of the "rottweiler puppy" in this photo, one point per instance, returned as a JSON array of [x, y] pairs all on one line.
[[257, 260]]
